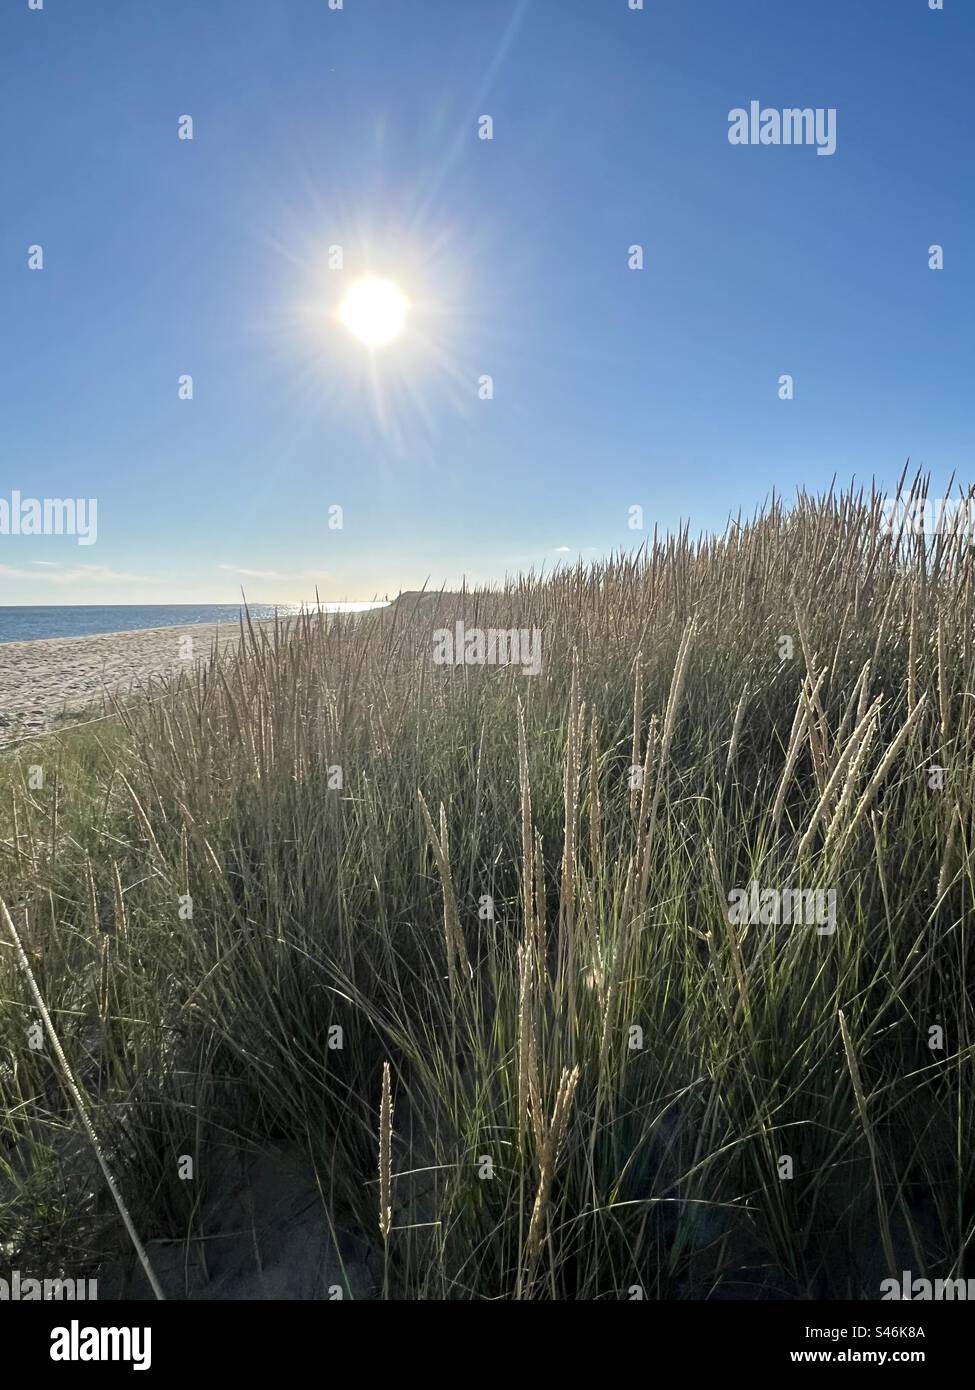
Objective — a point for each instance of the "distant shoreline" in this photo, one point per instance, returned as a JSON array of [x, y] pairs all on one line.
[[42, 678], [20, 623]]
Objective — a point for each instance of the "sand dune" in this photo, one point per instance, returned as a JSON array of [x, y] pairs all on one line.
[[40, 680]]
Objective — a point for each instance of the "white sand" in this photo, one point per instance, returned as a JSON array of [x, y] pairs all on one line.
[[39, 680]]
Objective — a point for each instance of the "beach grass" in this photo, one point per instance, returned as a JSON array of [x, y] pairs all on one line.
[[462, 934]]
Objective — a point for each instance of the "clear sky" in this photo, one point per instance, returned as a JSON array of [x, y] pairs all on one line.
[[613, 387]]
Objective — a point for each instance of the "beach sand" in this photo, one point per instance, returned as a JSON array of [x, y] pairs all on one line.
[[40, 680]]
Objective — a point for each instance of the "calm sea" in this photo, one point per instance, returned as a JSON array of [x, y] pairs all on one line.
[[23, 624]]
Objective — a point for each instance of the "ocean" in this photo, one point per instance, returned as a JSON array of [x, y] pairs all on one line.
[[25, 624]]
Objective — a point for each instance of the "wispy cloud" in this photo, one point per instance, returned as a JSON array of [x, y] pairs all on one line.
[[252, 574], [274, 575], [72, 574]]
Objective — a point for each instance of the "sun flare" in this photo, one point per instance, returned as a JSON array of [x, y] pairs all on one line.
[[374, 311]]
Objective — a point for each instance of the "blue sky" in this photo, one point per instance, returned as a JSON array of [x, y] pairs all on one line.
[[612, 387]]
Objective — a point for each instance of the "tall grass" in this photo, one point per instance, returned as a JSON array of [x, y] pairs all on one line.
[[330, 852]]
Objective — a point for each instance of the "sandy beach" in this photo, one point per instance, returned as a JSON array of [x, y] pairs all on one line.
[[41, 679]]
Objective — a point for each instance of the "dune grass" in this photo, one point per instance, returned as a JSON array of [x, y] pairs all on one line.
[[330, 853]]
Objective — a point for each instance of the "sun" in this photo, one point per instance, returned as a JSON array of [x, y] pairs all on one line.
[[374, 311]]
